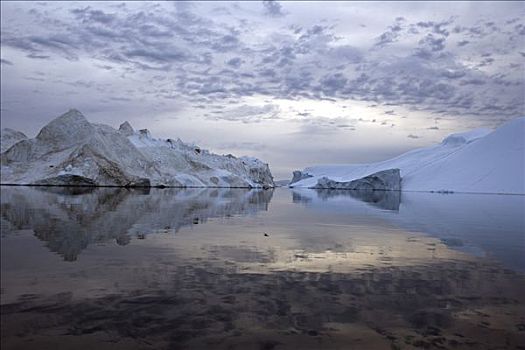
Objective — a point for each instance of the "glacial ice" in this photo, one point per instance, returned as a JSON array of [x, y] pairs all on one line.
[[477, 161], [385, 180], [70, 150]]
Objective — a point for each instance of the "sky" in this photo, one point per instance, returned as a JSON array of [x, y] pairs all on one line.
[[293, 83]]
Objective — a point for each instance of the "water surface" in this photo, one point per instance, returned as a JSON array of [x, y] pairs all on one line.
[[240, 269]]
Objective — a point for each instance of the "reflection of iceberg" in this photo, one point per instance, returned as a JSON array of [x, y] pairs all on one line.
[[388, 200], [297, 197], [69, 222], [486, 224], [348, 199]]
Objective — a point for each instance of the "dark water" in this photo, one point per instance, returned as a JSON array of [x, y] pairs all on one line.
[[239, 269]]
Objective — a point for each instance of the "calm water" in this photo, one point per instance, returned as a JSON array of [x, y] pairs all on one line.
[[239, 269]]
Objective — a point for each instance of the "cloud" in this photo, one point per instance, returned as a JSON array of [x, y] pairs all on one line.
[[235, 62], [345, 54], [249, 114], [243, 146], [273, 8], [194, 52], [392, 34], [432, 43], [331, 83], [89, 16], [437, 27]]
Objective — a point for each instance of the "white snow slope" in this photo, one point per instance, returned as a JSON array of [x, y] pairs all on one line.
[[70, 145], [478, 161]]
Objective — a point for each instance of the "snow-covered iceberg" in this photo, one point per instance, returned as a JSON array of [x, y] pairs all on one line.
[[385, 180], [9, 138], [72, 151], [477, 161]]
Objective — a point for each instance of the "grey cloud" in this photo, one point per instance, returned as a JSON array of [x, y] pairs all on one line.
[[392, 33], [273, 8], [346, 126], [268, 72], [226, 43], [513, 20], [155, 31], [297, 84], [3, 61], [162, 55], [453, 74], [346, 54], [520, 29], [473, 81], [462, 101], [88, 16], [139, 36], [9, 39], [201, 58], [332, 83], [250, 114], [58, 43], [437, 27], [431, 43], [235, 62], [412, 136], [318, 125], [244, 146], [480, 30], [123, 99], [387, 38]]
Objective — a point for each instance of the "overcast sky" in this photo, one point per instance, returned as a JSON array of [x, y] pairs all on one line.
[[293, 83]]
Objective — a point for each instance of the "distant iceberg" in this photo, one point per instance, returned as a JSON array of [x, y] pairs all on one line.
[[477, 161], [72, 151]]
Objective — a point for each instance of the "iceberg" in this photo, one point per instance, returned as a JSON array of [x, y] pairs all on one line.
[[72, 151], [386, 180], [477, 161], [298, 176], [9, 138]]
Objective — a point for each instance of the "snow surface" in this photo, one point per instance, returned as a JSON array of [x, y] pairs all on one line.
[[478, 161]]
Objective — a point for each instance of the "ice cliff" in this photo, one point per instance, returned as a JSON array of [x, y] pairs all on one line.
[[477, 161], [72, 151]]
